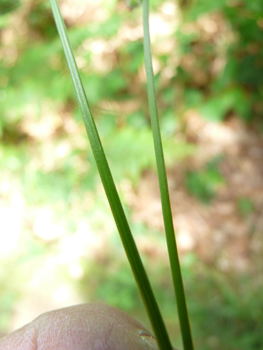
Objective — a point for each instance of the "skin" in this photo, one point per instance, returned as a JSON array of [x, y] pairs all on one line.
[[81, 327]]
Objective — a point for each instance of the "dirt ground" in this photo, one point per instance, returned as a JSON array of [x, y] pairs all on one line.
[[217, 232]]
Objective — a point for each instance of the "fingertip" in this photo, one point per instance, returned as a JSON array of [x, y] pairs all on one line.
[[87, 326], [22, 339]]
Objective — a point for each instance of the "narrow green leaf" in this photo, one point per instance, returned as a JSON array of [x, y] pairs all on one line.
[[165, 199], [111, 192]]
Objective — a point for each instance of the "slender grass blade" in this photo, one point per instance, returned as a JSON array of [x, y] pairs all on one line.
[[111, 192], [165, 199]]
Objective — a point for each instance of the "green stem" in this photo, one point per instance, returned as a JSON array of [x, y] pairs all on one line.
[[165, 199], [111, 192]]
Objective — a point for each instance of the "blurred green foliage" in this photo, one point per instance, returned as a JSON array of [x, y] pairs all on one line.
[[202, 184], [9, 6], [245, 206], [224, 307], [215, 67], [237, 86]]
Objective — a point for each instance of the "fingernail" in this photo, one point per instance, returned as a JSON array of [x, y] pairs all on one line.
[[148, 339]]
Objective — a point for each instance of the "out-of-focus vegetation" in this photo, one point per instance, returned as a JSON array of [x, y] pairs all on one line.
[[57, 236]]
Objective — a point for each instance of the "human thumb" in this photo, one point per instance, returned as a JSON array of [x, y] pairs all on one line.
[[81, 327]]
